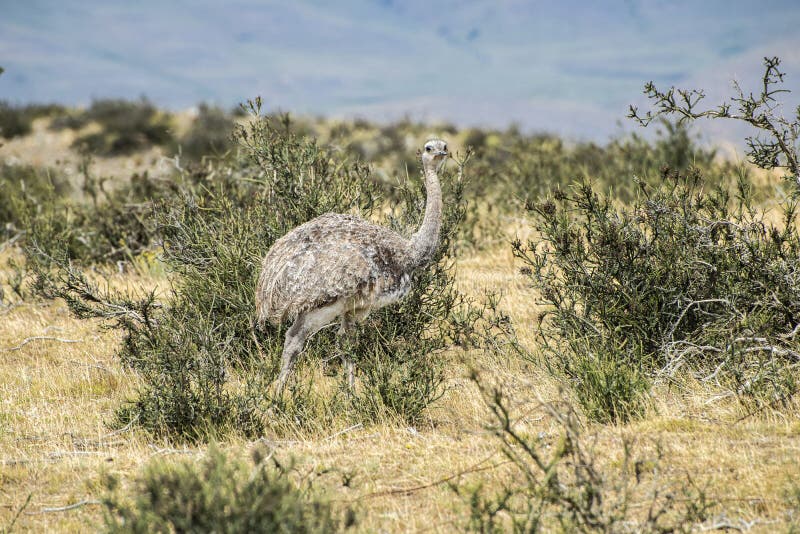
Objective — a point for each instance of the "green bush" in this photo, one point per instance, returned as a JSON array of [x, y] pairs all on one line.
[[126, 127], [560, 482], [686, 277], [209, 135], [517, 167], [94, 225], [14, 121], [17, 121], [218, 494], [203, 367], [24, 188]]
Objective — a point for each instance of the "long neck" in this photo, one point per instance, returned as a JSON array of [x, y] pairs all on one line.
[[425, 241]]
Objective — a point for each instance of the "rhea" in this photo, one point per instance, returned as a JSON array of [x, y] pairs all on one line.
[[342, 267]]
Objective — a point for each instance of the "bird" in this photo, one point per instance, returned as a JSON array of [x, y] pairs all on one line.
[[342, 267]]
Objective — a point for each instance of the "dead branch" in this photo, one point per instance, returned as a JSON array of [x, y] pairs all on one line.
[[345, 431], [40, 338], [167, 450], [93, 366], [66, 454], [66, 508], [9, 242], [474, 468]]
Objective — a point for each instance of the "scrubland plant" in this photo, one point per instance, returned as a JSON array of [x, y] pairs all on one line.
[[515, 167], [565, 481], [219, 494], [91, 223], [204, 368], [685, 278], [125, 127], [17, 120], [209, 134], [690, 277]]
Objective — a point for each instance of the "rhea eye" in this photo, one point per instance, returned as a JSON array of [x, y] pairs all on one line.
[[445, 148], [427, 148]]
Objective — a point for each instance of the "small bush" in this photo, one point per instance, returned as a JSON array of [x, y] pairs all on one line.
[[97, 226], [561, 484], [218, 495], [24, 188], [14, 121], [126, 127], [17, 121], [609, 382], [684, 277], [209, 135]]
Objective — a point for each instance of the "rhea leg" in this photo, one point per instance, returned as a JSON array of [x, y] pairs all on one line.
[[306, 325], [345, 333], [295, 340]]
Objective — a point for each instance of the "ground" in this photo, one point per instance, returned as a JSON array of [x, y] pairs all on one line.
[[60, 389], [61, 383]]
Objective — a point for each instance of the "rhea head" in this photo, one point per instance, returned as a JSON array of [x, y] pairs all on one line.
[[434, 153]]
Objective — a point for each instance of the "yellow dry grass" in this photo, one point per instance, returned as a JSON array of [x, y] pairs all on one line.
[[58, 397]]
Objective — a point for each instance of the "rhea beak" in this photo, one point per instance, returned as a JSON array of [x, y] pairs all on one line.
[[442, 153]]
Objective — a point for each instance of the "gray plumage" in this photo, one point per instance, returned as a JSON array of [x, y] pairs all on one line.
[[331, 257], [341, 266]]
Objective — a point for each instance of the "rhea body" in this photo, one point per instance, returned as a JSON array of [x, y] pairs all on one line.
[[342, 267]]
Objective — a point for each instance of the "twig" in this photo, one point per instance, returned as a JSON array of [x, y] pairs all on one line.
[[167, 450], [760, 409], [40, 338], [66, 508], [12, 240], [15, 461], [475, 468], [63, 454], [93, 366], [16, 516], [741, 525], [121, 430], [674, 326], [345, 431]]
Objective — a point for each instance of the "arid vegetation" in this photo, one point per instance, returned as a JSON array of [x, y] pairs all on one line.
[[606, 340]]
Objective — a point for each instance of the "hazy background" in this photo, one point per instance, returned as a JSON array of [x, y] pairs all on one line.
[[567, 67]]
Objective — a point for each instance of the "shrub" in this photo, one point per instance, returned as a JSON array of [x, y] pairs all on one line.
[[684, 277], [209, 135], [560, 483], [126, 127], [516, 167], [14, 121], [99, 226], [203, 367], [24, 188], [218, 495]]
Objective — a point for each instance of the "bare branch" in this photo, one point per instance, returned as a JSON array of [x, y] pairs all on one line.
[[40, 338], [779, 150], [66, 508]]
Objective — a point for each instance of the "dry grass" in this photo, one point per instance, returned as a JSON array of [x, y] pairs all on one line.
[[57, 398]]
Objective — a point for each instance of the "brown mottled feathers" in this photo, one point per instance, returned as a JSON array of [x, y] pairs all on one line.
[[328, 258]]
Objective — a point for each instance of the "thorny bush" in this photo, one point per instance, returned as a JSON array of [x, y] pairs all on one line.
[[564, 482], [687, 277], [219, 494]]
